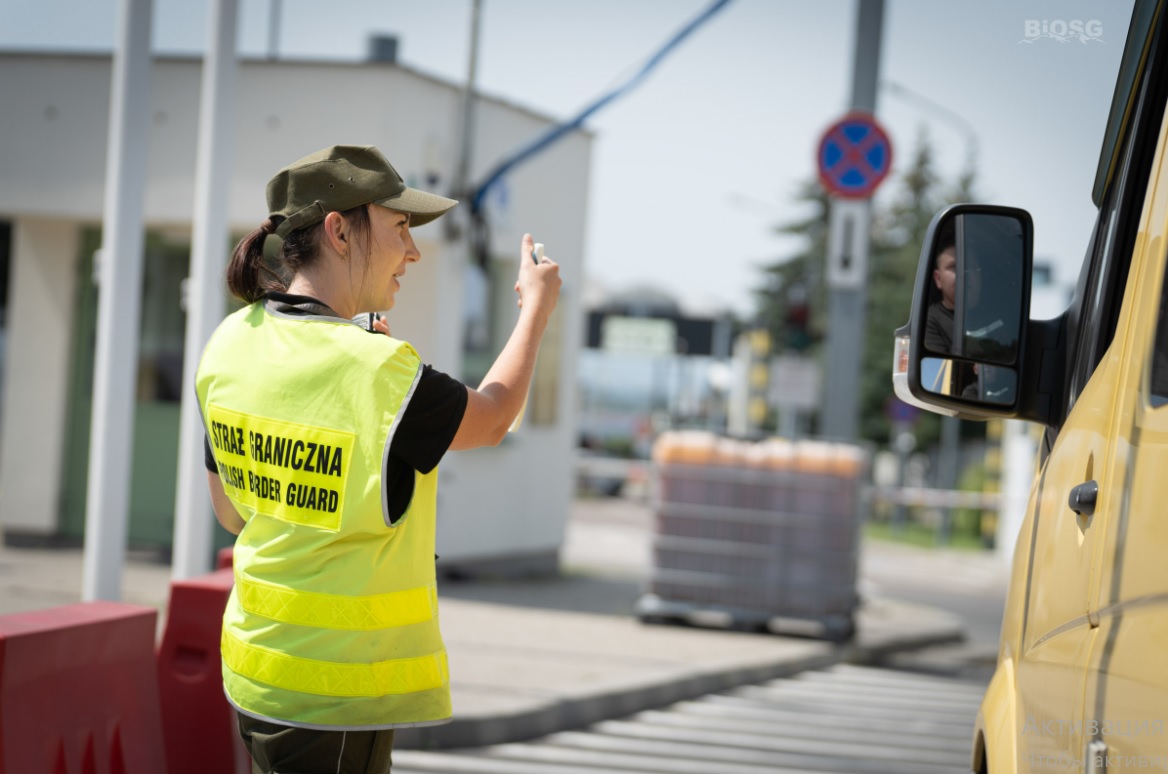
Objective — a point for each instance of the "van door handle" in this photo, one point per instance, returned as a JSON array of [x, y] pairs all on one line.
[[1082, 500]]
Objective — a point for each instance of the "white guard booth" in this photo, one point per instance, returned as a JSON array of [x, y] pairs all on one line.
[[504, 506]]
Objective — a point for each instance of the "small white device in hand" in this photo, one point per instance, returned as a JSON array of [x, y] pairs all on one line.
[[536, 255], [366, 320]]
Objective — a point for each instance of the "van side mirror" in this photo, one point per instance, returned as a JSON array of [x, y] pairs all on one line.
[[963, 349]]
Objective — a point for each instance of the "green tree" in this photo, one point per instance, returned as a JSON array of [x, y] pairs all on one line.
[[792, 301], [798, 279], [898, 231]]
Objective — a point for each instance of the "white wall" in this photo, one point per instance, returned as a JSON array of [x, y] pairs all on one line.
[[516, 497], [40, 324], [54, 122]]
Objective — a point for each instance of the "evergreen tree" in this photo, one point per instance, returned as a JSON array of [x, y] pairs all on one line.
[[898, 232], [797, 280], [792, 303]]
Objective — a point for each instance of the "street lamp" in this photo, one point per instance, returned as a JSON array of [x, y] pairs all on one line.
[[930, 105]]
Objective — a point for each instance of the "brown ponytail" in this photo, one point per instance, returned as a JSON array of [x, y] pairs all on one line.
[[248, 275], [251, 277]]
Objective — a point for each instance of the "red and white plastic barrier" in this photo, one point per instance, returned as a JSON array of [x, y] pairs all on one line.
[[78, 691], [200, 726]]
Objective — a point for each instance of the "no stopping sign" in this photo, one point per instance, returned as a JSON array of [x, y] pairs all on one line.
[[854, 156]]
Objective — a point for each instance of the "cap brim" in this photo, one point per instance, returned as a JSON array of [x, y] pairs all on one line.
[[423, 207]]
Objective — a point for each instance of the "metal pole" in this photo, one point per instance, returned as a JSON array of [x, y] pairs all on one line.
[[462, 174], [955, 120], [273, 29], [849, 240], [449, 334], [118, 311], [866, 67], [847, 279], [903, 441], [723, 333], [193, 526], [947, 467]]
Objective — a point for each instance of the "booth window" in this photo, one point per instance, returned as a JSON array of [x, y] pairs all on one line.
[[489, 314], [163, 324]]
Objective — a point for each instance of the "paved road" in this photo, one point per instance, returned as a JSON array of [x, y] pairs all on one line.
[[971, 585], [609, 544], [607, 556], [844, 720], [917, 718]]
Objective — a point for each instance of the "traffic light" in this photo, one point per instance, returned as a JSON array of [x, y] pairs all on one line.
[[797, 319]]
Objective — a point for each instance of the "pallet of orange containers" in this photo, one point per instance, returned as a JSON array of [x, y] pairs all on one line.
[[756, 535]]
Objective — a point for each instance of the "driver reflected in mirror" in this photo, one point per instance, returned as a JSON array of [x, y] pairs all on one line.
[[961, 378], [975, 335], [943, 294]]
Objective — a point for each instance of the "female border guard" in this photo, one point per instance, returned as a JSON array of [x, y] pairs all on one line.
[[323, 444]]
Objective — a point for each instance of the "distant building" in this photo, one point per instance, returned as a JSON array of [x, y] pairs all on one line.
[[52, 165], [647, 366]]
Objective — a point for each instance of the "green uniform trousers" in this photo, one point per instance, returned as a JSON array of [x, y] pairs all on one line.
[[277, 749]]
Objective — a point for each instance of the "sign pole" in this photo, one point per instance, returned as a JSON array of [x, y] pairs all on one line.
[[847, 302], [848, 247]]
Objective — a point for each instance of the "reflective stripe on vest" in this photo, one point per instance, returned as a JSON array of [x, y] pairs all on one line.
[[328, 678], [333, 622], [331, 611]]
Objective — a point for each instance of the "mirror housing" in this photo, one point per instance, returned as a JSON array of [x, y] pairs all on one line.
[[965, 349]]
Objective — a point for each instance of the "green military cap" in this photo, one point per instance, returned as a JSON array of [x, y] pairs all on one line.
[[340, 178]]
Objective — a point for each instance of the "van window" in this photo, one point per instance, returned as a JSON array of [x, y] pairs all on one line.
[[1115, 232], [1143, 17]]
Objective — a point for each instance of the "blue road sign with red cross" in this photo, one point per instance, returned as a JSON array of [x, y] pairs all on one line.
[[854, 156]]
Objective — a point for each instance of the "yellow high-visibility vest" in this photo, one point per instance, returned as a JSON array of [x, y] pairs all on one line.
[[333, 621]]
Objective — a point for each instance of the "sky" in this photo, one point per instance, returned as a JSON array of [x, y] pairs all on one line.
[[692, 171]]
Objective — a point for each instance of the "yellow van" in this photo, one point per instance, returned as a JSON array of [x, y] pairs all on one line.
[[1081, 683]]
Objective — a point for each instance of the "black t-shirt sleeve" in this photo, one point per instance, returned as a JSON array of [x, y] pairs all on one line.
[[430, 421], [939, 330], [425, 431]]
